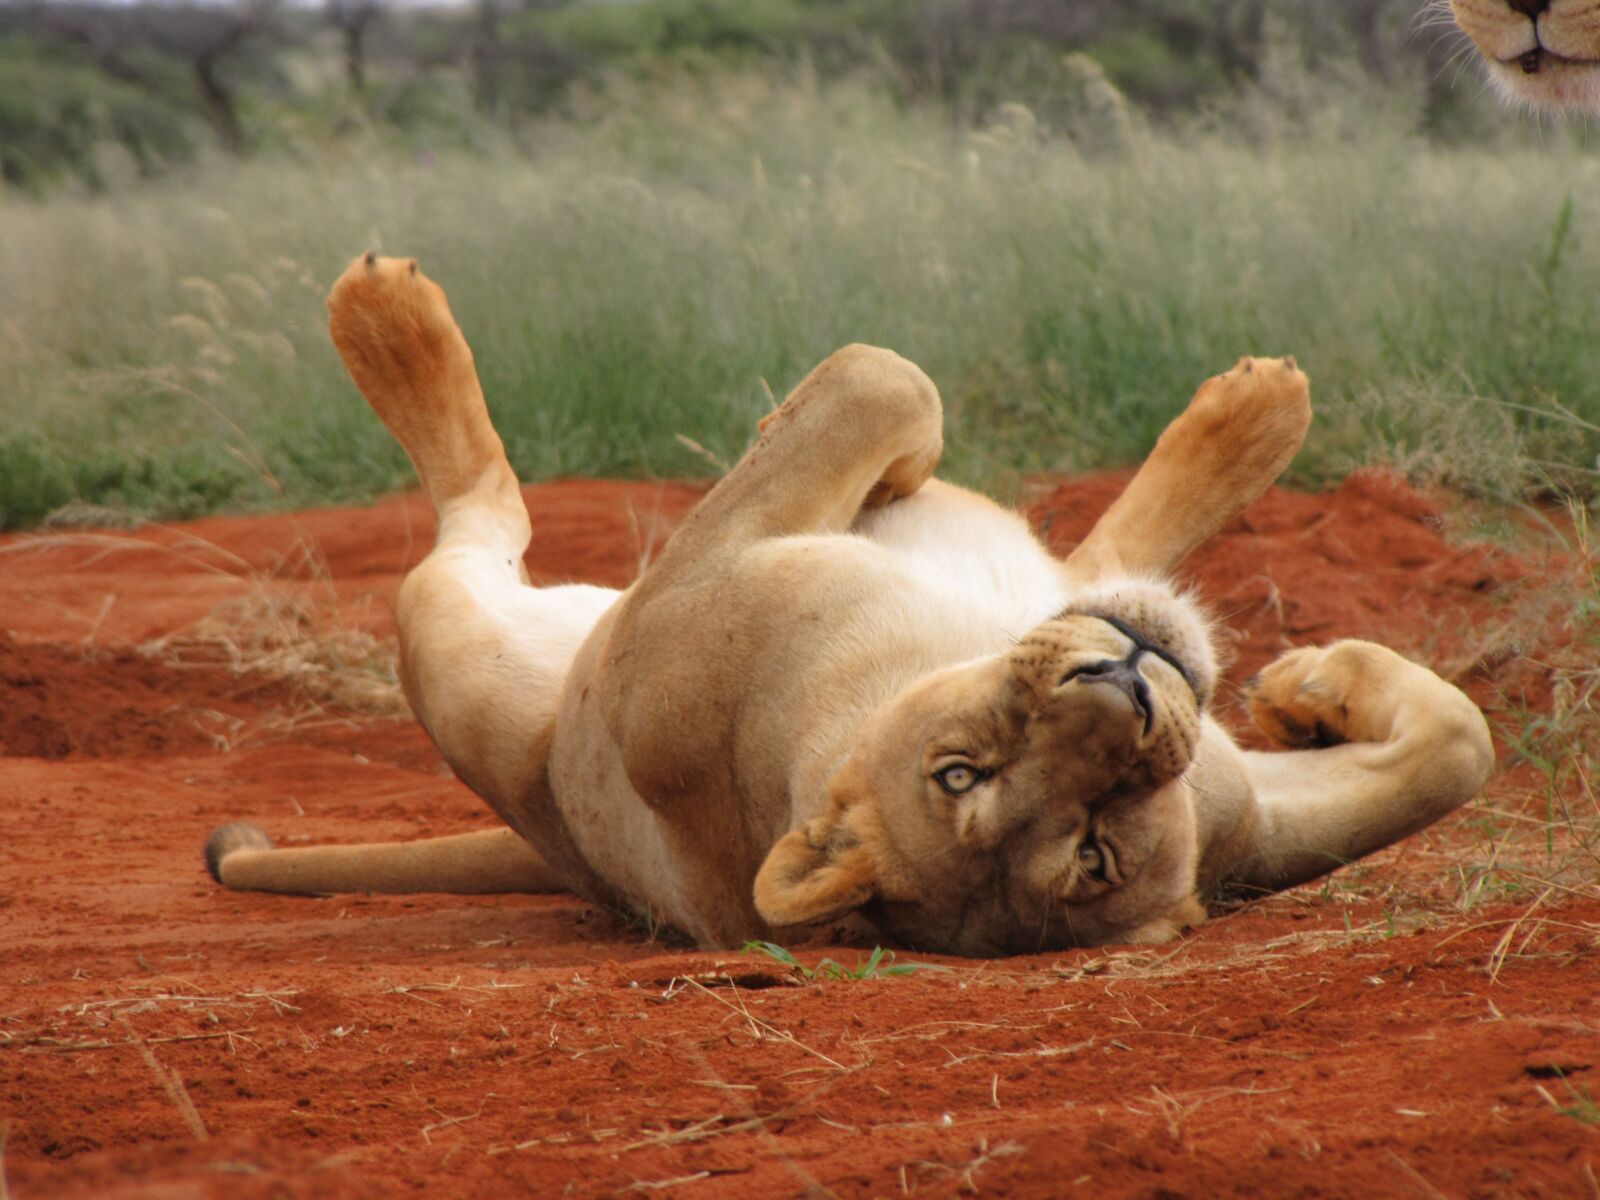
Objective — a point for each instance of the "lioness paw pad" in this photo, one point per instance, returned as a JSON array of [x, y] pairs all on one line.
[[1323, 696], [1262, 382], [393, 327], [1298, 703], [388, 293]]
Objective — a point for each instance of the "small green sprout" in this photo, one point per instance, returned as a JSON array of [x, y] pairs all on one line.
[[877, 965]]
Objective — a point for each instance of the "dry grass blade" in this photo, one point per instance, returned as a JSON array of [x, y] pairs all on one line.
[[446, 1123], [493, 987], [810, 1185], [699, 451], [963, 1174], [188, 549], [1416, 1177], [661, 1185], [286, 625], [275, 999], [761, 1027], [928, 1031], [700, 1130], [1041, 1052], [1497, 959], [271, 632], [5, 1188], [172, 1084]]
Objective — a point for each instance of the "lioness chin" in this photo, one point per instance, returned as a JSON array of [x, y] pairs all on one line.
[[1545, 53], [844, 686]]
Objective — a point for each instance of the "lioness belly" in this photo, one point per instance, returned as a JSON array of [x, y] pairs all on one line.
[[952, 539]]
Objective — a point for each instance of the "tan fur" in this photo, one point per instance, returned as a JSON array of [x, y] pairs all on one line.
[[847, 687], [1548, 59]]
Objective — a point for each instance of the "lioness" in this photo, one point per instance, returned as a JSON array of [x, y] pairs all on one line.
[[1544, 52], [845, 686]]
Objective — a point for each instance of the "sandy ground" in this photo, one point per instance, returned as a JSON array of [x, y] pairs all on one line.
[[1396, 1032]]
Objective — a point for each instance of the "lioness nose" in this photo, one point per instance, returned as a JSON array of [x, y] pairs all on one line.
[[1122, 674], [1529, 8]]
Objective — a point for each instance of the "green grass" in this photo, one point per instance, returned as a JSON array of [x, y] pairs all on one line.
[[664, 266], [880, 964], [1582, 1107]]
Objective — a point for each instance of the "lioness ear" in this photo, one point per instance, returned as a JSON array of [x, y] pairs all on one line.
[[814, 873]]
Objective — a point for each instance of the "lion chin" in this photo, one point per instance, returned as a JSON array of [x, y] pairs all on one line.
[[1543, 53]]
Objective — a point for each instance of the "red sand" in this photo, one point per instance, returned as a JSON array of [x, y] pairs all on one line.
[[162, 1037]]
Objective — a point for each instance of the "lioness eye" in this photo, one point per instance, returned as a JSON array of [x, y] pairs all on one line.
[[958, 779], [1090, 858]]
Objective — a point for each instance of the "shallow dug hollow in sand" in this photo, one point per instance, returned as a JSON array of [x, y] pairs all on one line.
[[161, 1037]]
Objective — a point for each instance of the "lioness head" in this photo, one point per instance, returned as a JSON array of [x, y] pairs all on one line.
[[1024, 802], [1546, 52]]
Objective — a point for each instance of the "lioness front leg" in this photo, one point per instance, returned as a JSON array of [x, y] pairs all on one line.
[[1397, 748], [863, 428], [865, 425], [1225, 449]]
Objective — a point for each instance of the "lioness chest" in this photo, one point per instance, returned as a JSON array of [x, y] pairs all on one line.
[[794, 643]]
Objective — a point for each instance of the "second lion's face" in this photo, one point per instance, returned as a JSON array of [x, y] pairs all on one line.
[[1543, 52]]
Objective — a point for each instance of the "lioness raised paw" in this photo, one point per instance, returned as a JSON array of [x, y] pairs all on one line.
[[394, 330], [855, 388], [393, 327], [1259, 411], [1326, 695], [1236, 436]]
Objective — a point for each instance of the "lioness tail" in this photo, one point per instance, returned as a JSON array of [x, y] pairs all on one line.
[[242, 856]]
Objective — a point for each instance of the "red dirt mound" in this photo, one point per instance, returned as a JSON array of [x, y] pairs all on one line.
[[1424, 1024], [62, 700]]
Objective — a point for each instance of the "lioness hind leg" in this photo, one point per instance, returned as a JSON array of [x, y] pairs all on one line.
[[483, 656], [1399, 748], [1225, 449]]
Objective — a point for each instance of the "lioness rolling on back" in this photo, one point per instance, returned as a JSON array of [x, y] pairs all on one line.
[[845, 686]]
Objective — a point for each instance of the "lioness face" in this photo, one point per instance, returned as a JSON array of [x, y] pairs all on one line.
[[1024, 802], [1546, 52]]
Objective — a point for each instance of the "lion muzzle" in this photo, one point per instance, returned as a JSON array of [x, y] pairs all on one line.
[[1123, 675]]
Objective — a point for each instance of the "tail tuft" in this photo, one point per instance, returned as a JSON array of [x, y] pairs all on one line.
[[227, 839]]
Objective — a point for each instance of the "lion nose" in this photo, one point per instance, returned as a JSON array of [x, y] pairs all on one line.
[[1122, 674], [1529, 8]]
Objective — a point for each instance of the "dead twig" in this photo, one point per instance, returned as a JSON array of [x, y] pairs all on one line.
[[446, 1122], [42, 1045]]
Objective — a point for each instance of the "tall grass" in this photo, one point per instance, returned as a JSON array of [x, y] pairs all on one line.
[[665, 268]]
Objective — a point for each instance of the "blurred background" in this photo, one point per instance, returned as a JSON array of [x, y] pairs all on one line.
[[652, 216]]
